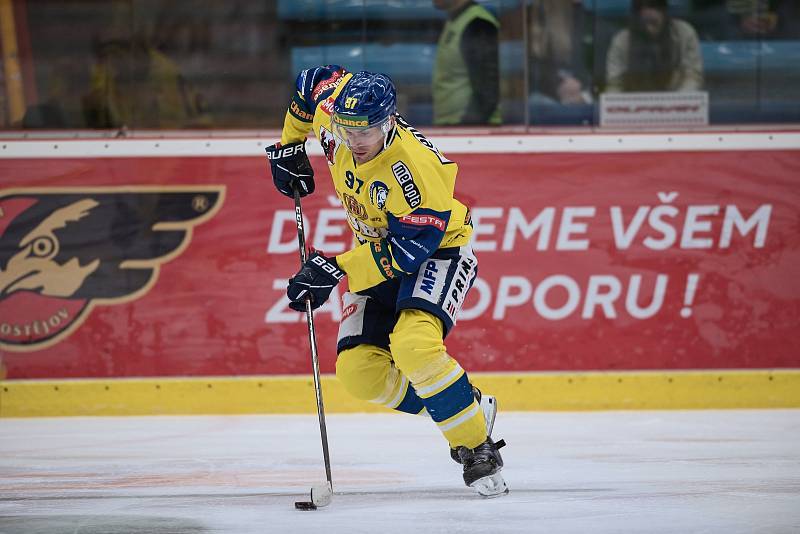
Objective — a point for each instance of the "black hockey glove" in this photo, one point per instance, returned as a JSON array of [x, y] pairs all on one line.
[[316, 279], [291, 168]]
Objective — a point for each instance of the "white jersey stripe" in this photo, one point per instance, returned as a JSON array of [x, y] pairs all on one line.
[[395, 402], [451, 377], [445, 426]]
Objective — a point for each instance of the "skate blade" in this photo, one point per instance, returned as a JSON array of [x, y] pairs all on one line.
[[490, 486]]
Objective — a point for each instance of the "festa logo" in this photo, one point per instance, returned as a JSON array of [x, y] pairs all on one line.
[[423, 220], [65, 251], [406, 181]]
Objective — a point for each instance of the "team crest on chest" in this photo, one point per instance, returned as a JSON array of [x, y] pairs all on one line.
[[354, 207], [330, 144], [378, 193]]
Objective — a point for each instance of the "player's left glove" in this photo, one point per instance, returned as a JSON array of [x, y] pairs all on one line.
[[316, 279]]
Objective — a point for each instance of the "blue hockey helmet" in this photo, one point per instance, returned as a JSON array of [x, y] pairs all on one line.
[[367, 100]]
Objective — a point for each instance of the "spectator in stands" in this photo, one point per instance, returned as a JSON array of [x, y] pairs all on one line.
[[466, 79], [134, 85], [759, 19], [655, 53], [746, 19], [754, 17], [559, 72]]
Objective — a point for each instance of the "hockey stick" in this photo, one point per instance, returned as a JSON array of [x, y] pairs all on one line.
[[320, 496]]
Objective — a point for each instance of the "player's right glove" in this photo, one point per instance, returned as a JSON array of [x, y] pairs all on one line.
[[291, 169]]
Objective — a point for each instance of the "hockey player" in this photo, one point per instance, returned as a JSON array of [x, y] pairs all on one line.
[[411, 269]]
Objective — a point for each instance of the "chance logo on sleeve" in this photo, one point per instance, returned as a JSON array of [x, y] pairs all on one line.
[[64, 251]]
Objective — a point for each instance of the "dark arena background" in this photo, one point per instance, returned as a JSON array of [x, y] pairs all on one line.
[[635, 312]]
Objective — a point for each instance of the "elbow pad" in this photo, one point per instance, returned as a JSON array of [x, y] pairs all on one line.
[[413, 238]]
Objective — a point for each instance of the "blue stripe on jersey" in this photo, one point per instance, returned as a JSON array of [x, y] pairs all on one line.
[[414, 237], [411, 402], [317, 84], [453, 399]]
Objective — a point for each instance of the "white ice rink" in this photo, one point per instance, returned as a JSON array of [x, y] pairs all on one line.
[[594, 472]]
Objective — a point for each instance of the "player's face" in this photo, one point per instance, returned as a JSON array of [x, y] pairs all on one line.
[[364, 143]]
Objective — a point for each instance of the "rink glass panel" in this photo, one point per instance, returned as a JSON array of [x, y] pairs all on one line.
[[200, 64]]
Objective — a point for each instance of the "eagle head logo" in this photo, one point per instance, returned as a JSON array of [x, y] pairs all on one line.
[[63, 252]]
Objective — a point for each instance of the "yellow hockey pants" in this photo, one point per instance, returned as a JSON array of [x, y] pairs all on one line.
[[416, 373]]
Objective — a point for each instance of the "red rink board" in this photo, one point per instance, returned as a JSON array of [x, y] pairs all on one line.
[[584, 264]]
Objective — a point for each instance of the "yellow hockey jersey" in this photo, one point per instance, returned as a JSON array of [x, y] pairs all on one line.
[[399, 205]]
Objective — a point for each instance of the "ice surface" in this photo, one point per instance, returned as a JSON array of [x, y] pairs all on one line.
[[593, 472]]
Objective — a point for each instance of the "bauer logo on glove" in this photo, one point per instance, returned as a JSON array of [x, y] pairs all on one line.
[[315, 280], [291, 169]]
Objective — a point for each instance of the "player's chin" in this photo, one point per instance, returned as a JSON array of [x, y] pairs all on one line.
[[363, 156]]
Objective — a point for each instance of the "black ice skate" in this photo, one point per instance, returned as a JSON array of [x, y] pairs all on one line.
[[488, 405], [482, 467]]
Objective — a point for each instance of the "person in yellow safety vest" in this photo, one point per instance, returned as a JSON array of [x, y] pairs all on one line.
[[466, 79], [134, 85]]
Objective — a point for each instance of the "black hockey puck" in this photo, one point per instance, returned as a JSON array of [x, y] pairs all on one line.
[[305, 505]]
